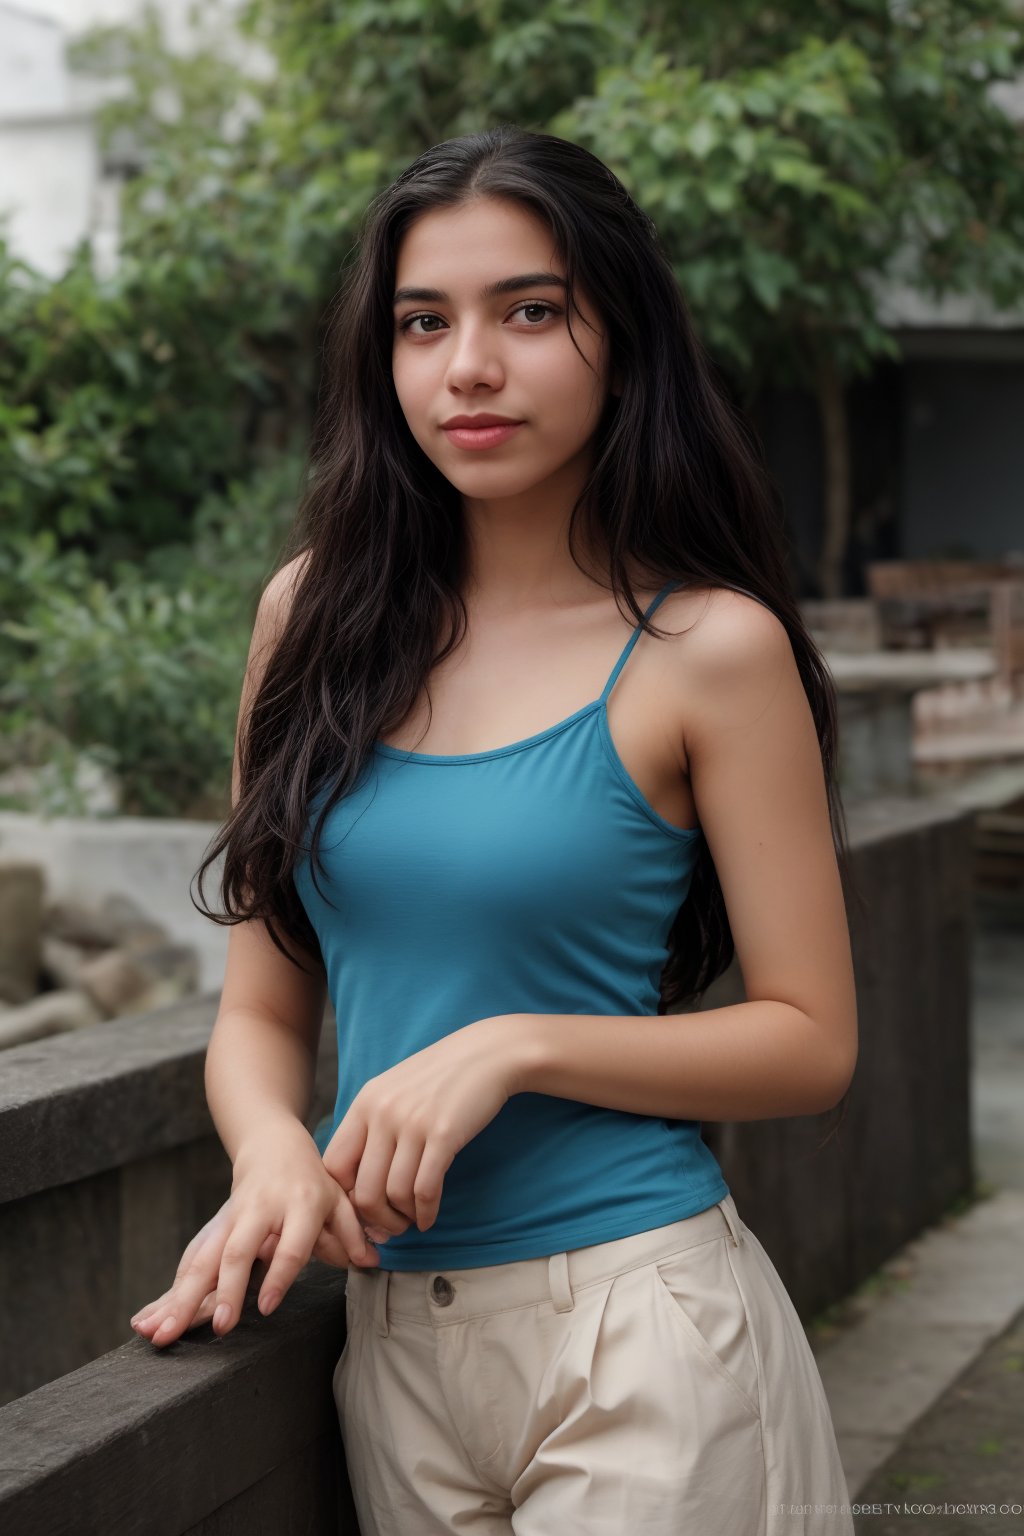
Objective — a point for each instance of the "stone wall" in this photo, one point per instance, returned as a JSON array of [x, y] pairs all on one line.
[[67, 965], [149, 860]]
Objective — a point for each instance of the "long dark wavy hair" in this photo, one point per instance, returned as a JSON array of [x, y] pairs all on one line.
[[678, 488]]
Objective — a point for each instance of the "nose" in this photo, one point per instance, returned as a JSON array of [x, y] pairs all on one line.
[[474, 358]]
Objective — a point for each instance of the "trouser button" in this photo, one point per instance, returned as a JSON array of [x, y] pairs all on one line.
[[444, 1291]]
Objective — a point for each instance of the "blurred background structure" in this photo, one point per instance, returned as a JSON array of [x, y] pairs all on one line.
[[59, 183], [840, 187]]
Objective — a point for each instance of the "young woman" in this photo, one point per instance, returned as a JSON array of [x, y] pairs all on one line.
[[507, 828]]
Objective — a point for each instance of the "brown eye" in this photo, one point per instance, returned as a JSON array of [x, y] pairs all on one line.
[[547, 309], [405, 324]]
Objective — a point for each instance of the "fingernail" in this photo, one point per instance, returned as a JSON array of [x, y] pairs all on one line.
[[220, 1317], [269, 1302]]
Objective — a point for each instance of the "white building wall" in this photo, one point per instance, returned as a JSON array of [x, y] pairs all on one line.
[[33, 78], [182, 20], [48, 183], [54, 188]]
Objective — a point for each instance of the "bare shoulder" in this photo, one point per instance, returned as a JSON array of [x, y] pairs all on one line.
[[280, 589], [274, 607], [723, 631], [271, 616], [727, 656]]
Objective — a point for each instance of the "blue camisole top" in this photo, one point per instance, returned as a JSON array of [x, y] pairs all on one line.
[[531, 878]]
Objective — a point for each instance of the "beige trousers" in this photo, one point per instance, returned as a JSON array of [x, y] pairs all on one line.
[[659, 1384]]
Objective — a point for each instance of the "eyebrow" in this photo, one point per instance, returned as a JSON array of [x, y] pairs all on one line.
[[491, 291]]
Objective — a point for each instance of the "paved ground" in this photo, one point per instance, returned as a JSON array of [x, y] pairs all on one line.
[[926, 1382], [961, 1466]]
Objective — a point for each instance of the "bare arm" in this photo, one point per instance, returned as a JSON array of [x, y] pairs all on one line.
[[284, 1206], [756, 773], [261, 1059]]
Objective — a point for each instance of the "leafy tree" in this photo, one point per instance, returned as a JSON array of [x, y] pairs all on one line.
[[137, 671], [799, 159], [795, 158]]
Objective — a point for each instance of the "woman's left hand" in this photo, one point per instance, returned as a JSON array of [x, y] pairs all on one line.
[[403, 1128]]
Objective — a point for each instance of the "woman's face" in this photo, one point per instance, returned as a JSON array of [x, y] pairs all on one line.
[[464, 352]]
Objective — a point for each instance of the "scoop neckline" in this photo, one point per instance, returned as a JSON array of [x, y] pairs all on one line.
[[409, 756], [479, 757]]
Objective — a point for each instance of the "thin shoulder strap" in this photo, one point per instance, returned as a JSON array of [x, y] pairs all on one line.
[[609, 685]]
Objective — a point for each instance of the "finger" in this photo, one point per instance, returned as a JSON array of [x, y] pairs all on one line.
[[343, 1153], [144, 1313], [346, 1221], [429, 1182], [183, 1298], [331, 1249], [186, 1306], [147, 1314], [391, 1224], [204, 1312], [369, 1194], [378, 1234], [298, 1234], [217, 1227], [235, 1245], [216, 1223], [194, 1277], [405, 1166], [266, 1253], [241, 1248], [150, 1317]]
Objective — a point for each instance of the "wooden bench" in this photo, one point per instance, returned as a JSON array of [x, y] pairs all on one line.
[[931, 603]]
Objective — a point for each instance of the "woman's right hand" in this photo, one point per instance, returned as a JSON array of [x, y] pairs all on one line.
[[283, 1210]]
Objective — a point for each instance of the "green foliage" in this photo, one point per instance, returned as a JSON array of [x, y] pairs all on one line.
[[139, 672], [810, 155], [765, 185], [120, 406], [794, 159]]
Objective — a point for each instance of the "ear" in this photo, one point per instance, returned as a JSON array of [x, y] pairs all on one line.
[[616, 384]]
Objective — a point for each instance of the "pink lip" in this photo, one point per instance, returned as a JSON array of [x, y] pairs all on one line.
[[482, 437]]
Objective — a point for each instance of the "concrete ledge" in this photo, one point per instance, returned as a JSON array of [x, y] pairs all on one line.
[[109, 1165], [208, 1435], [135, 1083]]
